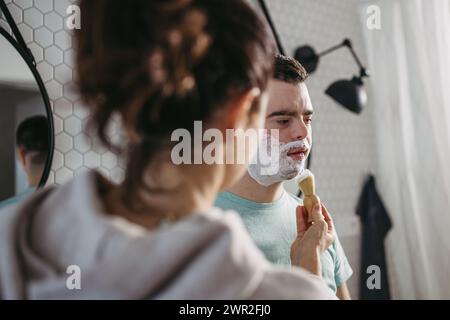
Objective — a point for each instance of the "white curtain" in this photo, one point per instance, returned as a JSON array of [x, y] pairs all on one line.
[[409, 59]]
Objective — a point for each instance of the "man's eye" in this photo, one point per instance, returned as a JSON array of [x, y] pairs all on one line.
[[308, 120], [283, 121]]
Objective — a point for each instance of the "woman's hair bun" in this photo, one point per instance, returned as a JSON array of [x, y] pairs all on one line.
[[163, 64]]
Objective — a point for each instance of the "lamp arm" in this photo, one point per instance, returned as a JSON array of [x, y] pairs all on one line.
[[347, 43], [330, 50], [363, 71]]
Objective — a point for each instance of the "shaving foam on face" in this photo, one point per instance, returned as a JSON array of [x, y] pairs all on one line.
[[272, 163]]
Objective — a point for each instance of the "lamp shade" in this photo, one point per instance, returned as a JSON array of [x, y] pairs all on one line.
[[307, 57], [349, 93]]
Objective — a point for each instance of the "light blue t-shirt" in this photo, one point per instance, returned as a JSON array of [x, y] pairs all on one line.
[[16, 199], [273, 227]]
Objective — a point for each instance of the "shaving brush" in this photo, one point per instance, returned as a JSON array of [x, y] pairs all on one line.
[[306, 184]]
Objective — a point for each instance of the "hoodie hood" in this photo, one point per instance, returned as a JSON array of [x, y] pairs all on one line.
[[207, 255]]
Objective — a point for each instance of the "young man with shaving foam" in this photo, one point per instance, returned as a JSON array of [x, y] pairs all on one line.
[[274, 217]]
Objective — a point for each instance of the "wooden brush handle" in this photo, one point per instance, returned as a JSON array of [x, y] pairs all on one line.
[[310, 199], [309, 202], [308, 186]]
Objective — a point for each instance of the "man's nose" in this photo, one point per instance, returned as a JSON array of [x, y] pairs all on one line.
[[299, 130]]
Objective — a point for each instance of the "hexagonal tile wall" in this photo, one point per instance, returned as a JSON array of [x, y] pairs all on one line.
[[24, 4], [92, 159], [44, 6], [53, 55], [42, 24], [73, 160], [33, 18], [43, 37], [53, 21], [72, 126], [64, 142]]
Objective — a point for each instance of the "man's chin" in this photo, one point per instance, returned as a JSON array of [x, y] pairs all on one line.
[[291, 174]]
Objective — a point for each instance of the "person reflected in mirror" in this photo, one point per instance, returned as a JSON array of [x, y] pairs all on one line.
[[32, 148], [31, 152]]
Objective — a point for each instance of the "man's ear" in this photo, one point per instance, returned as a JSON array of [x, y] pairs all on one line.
[[21, 155], [239, 115]]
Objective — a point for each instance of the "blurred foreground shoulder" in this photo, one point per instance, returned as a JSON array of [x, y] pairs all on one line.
[[292, 284]]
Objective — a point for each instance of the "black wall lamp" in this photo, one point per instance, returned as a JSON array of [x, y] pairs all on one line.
[[348, 93]]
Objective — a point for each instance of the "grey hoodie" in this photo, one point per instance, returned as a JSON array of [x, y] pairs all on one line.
[[208, 255]]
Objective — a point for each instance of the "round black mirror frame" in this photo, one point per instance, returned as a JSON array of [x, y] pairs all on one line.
[[51, 132]]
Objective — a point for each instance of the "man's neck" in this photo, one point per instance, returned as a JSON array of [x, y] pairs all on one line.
[[249, 189], [34, 177]]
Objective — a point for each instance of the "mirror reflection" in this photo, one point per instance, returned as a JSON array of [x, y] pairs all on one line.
[[25, 126]]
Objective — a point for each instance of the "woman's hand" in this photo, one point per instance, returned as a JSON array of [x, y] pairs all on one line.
[[312, 239]]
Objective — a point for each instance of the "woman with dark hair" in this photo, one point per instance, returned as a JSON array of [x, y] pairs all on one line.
[[160, 66]]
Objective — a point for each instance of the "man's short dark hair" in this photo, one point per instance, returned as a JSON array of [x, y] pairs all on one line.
[[32, 136], [289, 70]]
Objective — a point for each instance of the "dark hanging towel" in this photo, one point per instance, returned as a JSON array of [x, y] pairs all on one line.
[[375, 225]]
